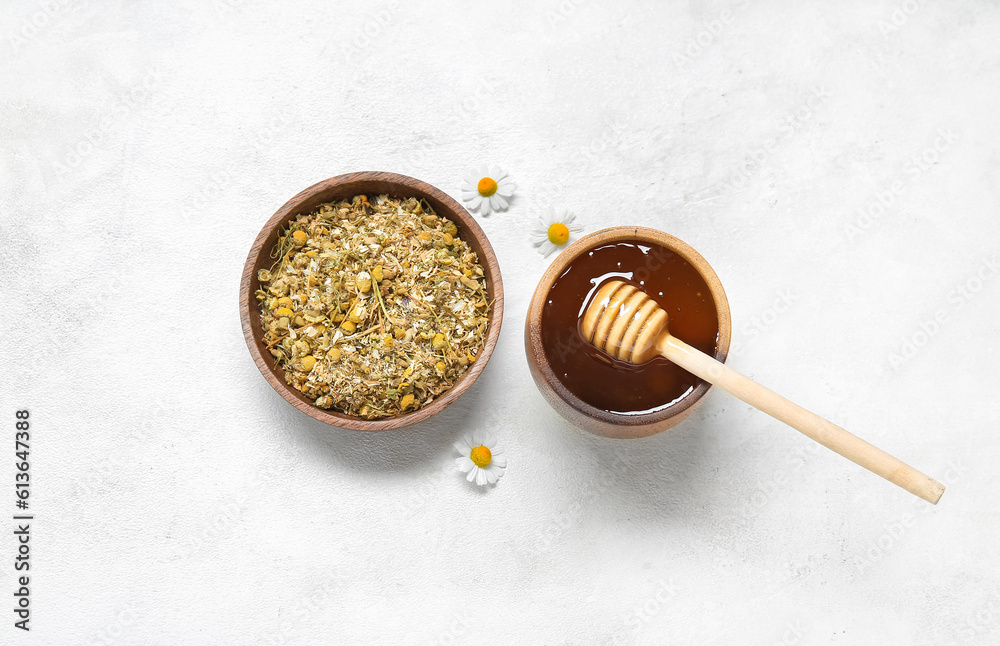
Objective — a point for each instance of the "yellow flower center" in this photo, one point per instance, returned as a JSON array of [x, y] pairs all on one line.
[[487, 186], [481, 456], [558, 233]]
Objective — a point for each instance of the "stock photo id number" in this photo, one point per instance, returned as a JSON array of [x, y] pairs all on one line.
[[22, 520]]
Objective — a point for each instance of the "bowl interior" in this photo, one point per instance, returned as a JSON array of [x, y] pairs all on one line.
[[346, 186], [581, 412]]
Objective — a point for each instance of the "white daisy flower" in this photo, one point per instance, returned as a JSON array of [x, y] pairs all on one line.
[[553, 230], [488, 189], [480, 458]]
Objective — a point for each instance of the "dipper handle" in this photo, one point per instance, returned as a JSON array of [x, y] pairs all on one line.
[[624, 322], [808, 423]]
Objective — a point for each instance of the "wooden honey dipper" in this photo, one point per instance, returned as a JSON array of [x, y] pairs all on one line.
[[624, 322]]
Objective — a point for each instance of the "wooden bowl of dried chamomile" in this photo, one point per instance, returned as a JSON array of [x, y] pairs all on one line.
[[371, 301]]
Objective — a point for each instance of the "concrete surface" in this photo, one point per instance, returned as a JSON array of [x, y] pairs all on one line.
[[837, 165]]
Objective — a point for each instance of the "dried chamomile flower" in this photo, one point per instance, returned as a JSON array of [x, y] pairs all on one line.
[[374, 305]]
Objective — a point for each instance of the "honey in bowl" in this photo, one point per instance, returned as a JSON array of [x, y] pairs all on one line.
[[592, 375]]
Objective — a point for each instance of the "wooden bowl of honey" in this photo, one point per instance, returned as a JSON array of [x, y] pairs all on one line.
[[587, 387]]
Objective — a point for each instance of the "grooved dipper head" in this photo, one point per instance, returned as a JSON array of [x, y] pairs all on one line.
[[624, 322]]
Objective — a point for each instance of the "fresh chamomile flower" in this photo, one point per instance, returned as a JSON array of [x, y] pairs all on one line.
[[480, 458], [553, 230], [488, 189]]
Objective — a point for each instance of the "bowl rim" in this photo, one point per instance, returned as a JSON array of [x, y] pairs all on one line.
[[408, 187], [561, 263]]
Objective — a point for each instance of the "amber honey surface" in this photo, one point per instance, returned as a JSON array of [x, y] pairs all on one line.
[[592, 375]]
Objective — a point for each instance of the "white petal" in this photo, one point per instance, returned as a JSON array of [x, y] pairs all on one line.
[[484, 171], [484, 207], [476, 201], [496, 173], [468, 195], [568, 217], [506, 188], [480, 477], [464, 464], [491, 476], [500, 461], [575, 227], [472, 474], [546, 248]]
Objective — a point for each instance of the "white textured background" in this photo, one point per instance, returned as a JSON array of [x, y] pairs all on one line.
[[845, 162]]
